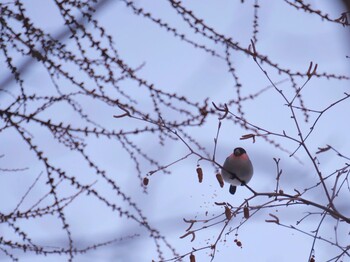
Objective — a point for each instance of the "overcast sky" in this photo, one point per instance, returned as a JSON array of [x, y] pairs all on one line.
[[289, 37]]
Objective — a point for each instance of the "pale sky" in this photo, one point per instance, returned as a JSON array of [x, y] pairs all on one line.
[[290, 38]]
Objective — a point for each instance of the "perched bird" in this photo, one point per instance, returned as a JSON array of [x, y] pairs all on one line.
[[237, 169]]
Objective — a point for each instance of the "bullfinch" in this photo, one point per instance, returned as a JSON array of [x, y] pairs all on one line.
[[237, 169]]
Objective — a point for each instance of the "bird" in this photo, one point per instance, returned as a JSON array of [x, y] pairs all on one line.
[[237, 169]]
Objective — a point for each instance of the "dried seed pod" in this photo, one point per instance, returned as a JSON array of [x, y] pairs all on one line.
[[247, 136], [192, 258], [246, 212], [200, 174], [145, 181], [220, 180], [228, 213]]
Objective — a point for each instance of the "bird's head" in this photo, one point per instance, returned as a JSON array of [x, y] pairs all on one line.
[[238, 151]]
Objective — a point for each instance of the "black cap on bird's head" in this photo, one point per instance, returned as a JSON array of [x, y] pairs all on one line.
[[238, 151]]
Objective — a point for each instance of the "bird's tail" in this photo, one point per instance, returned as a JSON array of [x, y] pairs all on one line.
[[233, 189]]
